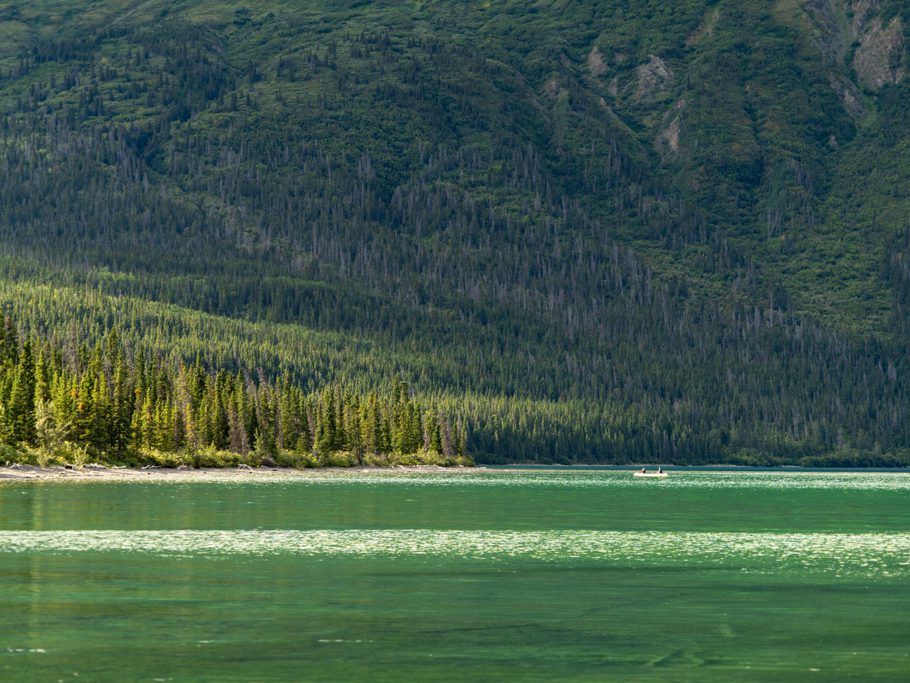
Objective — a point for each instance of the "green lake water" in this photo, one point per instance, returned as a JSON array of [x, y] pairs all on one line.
[[563, 575]]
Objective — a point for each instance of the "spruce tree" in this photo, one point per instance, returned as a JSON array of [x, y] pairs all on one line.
[[21, 407]]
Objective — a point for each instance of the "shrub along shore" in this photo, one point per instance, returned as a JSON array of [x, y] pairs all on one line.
[[66, 403]]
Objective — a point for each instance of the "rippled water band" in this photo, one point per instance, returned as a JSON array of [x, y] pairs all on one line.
[[881, 554], [866, 481]]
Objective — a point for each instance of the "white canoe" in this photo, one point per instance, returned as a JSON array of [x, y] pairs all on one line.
[[650, 475]]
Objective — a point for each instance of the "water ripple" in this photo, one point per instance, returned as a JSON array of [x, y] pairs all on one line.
[[862, 554], [878, 481]]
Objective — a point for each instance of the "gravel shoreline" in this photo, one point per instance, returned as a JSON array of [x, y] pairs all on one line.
[[105, 473]]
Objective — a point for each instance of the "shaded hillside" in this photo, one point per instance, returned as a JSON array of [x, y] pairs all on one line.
[[647, 231]]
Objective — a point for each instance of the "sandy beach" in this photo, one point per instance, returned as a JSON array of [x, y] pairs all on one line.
[[105, 473]]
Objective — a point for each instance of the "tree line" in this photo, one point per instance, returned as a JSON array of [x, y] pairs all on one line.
[[65, 402]]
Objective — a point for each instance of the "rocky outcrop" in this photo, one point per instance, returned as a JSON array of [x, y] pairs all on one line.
[[879, 57], [651, 77], [706, 28], [613, 87], [849, 96], [831, 32], [861, 11], [878, 46], [596, 65], [667, 141], [554, 90]]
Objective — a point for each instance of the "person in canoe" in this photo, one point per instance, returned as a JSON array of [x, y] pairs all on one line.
[[644, 471], [660, 470]]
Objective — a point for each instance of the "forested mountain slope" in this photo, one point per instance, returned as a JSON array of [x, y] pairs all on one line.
[[614, 232]]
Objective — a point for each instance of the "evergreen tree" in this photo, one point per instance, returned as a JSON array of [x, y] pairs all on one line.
[[325, 428], [21, 407]]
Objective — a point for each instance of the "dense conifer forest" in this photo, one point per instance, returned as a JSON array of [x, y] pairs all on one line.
[[72, 404], [574, 231]]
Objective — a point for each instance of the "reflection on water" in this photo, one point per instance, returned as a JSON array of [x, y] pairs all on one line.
[[762, 479], [557, 575], [855, 554]]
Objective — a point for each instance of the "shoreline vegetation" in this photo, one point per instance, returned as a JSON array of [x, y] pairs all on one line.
[[65, 404]]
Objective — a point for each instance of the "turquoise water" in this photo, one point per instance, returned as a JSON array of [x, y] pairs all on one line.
[[589, 575]]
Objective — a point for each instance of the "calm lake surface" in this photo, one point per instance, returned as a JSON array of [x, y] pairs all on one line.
[[587, 575]]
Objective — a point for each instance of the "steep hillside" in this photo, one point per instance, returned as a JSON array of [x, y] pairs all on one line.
[[607, 231]]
